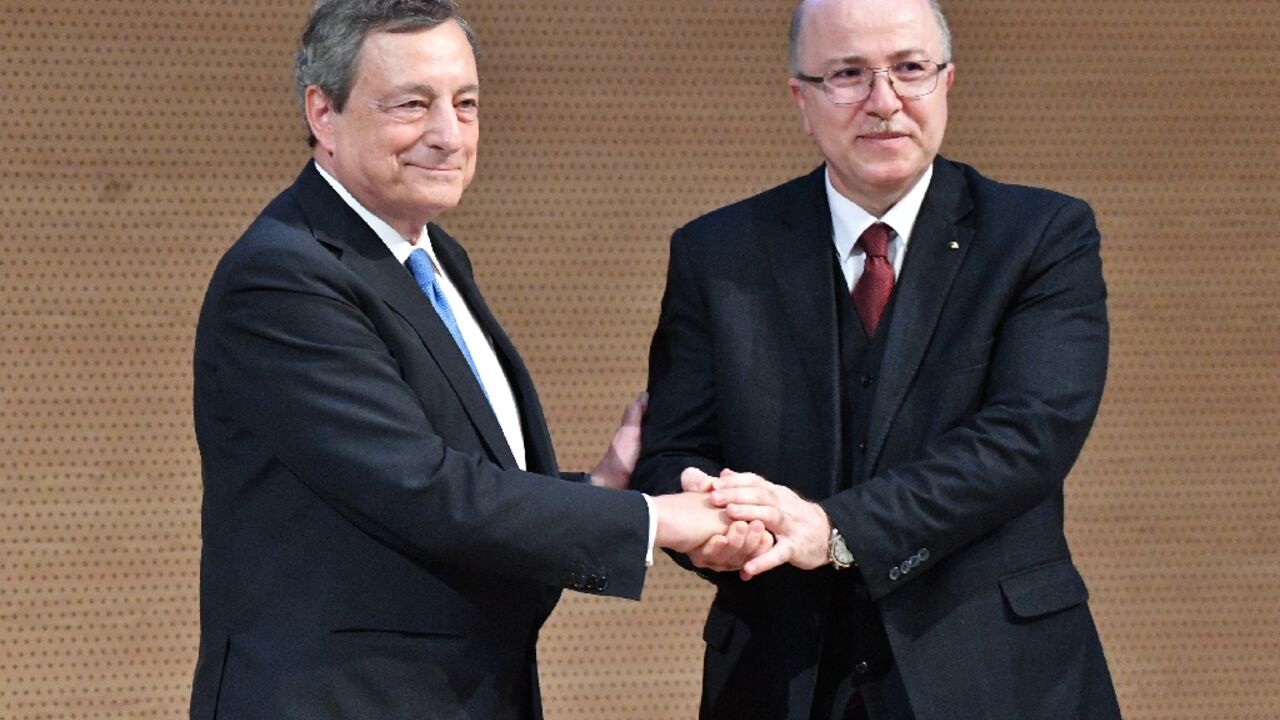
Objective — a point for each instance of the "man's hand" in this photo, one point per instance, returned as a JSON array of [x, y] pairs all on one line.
[[801, 528], [728, 552], [614, 469], [687, 520]]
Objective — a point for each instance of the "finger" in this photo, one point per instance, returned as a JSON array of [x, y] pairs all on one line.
[[766, 542], [734, 480], [694, 480], [778, 555], [732, 554], [758, 541], [706, 556], [734, 537], [744, 496], [772, 517], [719, 552], [738, 553]]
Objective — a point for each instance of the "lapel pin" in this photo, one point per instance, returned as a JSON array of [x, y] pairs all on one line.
[[955, 245]]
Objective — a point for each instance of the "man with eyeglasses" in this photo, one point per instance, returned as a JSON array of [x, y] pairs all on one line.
[[893, 363]]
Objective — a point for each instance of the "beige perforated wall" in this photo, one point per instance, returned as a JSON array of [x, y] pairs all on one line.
[[138, 137]]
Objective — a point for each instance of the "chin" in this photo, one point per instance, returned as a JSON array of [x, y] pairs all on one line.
[[439, 202], [890, 174]]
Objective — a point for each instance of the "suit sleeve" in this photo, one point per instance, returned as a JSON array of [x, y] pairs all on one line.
[[302, 370], [679, 428], [1042, 392]]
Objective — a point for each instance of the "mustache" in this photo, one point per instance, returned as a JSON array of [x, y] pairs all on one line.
[[886, 126]]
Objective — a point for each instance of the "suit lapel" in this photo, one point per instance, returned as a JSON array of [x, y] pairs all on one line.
[[337, 225], [539, 454], [938, 246], [800, 252]]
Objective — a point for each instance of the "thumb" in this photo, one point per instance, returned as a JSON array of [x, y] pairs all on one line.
[[635, 410], [694, 480]]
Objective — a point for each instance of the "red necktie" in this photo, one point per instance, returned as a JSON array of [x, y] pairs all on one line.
[[871, 294]]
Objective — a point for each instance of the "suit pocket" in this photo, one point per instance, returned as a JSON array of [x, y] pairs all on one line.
[[1044, 589], [397, 632], [344, 674]]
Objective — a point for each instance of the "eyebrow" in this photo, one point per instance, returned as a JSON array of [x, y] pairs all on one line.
[[428, 90]]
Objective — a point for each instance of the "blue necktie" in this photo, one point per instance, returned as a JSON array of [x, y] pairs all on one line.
[[425, 274]]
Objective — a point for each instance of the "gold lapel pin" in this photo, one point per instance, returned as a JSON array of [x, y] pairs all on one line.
[[955, 245]]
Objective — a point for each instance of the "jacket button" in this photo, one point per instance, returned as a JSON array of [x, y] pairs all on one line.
[[861, 668], [867, 380], [905, 567], [862, 446], [894, 573], [923, 554]]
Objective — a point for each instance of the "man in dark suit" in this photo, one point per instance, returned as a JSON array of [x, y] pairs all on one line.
[[903, 358], [385, 526]]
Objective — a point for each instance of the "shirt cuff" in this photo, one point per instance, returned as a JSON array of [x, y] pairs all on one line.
[[653, 529]]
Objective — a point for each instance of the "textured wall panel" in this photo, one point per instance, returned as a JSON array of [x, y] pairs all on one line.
[[139, 138]]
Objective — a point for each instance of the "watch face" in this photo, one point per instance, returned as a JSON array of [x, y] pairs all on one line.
[[841, 553]]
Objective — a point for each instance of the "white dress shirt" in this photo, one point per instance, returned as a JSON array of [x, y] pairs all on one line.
[[496, 385], [849, 220]]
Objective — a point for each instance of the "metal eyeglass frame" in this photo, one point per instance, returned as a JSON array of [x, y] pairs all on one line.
[[887, 71]]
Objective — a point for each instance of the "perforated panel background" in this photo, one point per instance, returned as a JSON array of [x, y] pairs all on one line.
[[139, 138]]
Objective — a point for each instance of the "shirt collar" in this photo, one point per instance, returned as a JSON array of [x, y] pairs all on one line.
[[849, 220], [394, 241]]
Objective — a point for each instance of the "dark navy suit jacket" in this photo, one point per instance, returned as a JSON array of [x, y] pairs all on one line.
[[371, 549], [992, 374]]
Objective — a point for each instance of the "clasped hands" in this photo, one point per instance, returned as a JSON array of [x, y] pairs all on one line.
[[737, 521], [742, 522]]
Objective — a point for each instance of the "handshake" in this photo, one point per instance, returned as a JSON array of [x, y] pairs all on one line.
[[737, 521], [742, 522]]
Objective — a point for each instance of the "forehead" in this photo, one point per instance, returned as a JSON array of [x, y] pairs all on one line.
[[439, 55], [871, 30]]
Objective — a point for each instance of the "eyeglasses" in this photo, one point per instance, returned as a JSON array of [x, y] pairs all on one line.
[[911, 80]]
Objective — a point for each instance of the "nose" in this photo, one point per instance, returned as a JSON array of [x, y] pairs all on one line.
[[883, 100], [444, 132]]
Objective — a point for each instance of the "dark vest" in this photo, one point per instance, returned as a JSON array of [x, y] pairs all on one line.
[[854, 644]]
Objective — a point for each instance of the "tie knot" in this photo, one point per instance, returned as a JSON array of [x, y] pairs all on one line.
[[421, 268], [875, 240]]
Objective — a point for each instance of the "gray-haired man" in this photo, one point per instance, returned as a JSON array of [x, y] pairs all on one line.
[[385, 526]]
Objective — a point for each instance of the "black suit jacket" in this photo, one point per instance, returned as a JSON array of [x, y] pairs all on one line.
[[993, 370], [371, 549]]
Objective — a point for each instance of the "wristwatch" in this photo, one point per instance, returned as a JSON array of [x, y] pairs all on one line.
[[838, 552]]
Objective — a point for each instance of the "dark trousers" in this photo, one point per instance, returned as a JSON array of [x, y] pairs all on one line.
[[884, 698]]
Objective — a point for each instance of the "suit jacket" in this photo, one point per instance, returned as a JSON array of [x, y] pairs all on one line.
[[993, 370], [371, 549]]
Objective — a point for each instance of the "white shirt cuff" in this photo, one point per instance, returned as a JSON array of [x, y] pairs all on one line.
[[653, 529]]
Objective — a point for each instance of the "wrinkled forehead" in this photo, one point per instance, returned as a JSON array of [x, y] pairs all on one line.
[[434, 55], [869, 31]]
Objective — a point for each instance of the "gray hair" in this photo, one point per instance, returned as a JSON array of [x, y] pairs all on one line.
[[797, 19], [335, 33]]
